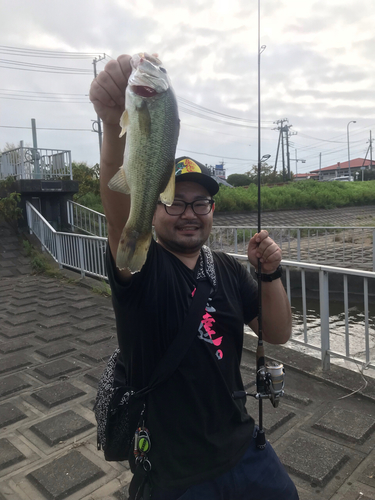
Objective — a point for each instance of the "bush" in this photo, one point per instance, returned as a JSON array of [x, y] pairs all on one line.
[[295, 195]]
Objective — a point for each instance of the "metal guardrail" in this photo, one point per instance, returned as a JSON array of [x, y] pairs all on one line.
[[36, 163], [336, 246], [87, 220], [82, 253], [343, 341], [87, 255]]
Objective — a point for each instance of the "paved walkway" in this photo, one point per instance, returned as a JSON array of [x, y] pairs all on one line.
[[54, 340]]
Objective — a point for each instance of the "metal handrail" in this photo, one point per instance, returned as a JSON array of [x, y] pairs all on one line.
[[324, 273], [335, 245], [86, 254]]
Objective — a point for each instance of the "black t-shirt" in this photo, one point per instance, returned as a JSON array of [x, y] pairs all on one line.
[[197, 429]]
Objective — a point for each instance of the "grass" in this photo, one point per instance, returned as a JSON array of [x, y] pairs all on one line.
[[296, 195], [41, 264]]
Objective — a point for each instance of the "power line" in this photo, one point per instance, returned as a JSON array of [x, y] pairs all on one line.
[[19, 51], [50, 128]]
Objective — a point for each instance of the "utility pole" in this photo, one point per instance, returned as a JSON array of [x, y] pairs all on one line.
[[320, 166], [97, 122], [370, 151], [297, 160], [284, 131]]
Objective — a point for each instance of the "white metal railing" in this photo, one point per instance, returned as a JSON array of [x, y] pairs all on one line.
[[87, 255], [341, 344], [335, 246], [79, 252], [87, 220], [36, 163]]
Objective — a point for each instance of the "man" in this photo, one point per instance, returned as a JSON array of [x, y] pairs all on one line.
[[202, 438]]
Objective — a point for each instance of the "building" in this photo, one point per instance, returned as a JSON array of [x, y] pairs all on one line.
[[341, 169], [303, 177], [219, 171]]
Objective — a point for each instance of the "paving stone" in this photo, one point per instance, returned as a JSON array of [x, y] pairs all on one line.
[[8, 255], [368, 476], [61, 427], [90, 324], [51, 304], [9, 414], [297, 398], [54, 350], [11, 246], [65, 475], [83, 305], [24, 302], [93, 376], [6, 273], [57, 368], [24, 269], [9, 385], [9, 454], [53, 322], [17, 331], [58, 394], [26, 309], [51, 336], [98, 353], [6, 263], [52, 312], [350, 425], [9, 363], [96, 337], [316, 461], [85, 313], [122, 494], [20, 319], [15, 345]]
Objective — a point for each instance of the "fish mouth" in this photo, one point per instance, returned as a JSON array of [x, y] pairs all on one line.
[[143, 90]]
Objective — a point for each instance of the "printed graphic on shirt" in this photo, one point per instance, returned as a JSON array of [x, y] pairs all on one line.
[[206, 330]]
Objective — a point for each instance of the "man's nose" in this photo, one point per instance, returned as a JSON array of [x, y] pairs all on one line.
[[189, 212]]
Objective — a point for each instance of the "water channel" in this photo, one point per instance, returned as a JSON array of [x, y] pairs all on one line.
[[356, 327]]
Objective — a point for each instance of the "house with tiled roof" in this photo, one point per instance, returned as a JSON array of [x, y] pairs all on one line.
[[341, 169]]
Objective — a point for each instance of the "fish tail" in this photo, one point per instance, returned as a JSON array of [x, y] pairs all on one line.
[[132, 249]]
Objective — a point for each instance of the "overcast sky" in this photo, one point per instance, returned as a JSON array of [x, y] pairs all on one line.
[[318, 71]]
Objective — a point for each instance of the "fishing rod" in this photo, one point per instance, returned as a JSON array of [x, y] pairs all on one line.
[[269, 376]]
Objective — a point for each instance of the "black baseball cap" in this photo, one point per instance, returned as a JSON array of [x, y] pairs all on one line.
[[191, 170]]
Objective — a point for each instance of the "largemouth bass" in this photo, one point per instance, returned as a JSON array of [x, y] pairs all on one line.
[[151, 124]]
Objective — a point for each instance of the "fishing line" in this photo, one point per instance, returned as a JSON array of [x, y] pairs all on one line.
[[261, 439]]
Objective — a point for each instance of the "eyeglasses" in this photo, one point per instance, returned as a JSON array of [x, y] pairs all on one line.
[[199, 207]]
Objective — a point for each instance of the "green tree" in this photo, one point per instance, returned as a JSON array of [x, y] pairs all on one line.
[[10, 211], [88, 178], [239, 180], [267, 174]]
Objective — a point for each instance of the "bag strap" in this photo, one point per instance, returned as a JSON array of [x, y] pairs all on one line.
[[183, 340]]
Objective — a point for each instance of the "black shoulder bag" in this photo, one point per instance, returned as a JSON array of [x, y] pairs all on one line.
[[119, 410]]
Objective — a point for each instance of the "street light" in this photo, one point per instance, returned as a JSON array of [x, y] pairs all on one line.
[[347, 130]]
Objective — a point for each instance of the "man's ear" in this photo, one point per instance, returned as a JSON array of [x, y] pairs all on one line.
[[213, 207]]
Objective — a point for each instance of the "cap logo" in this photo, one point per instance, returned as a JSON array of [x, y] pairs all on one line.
[[186, 166]]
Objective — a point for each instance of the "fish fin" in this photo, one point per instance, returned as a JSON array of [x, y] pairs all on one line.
[[124, 122], [144, 119], [119, 182], [167, 196], [132, 249]]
